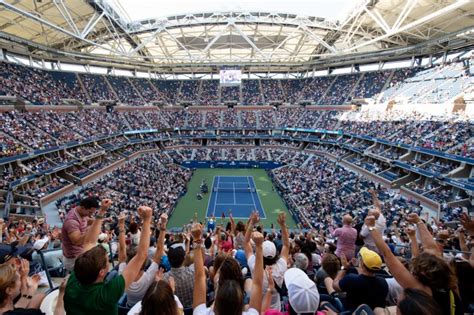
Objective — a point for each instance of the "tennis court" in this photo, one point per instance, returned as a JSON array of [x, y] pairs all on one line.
[[234, 194]]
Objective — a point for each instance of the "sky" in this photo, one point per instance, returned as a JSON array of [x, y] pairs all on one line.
[[143, 9]]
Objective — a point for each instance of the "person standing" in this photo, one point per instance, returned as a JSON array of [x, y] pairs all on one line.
[[380, 223], [75, 227], [346, 238], [87, 292]]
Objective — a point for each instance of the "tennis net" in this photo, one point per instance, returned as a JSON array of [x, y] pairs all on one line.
[[237, 190]]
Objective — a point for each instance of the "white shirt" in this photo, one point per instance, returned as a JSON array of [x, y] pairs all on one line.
[[203, 310], [380, 225], [136, 291], [136, 309], [135, 238], [278, 271], [395, 290]]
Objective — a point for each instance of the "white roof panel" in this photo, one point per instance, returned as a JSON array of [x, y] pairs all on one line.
[[145, 9]]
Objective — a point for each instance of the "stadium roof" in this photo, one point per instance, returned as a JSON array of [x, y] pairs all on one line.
[[107, 32], [137, 10]]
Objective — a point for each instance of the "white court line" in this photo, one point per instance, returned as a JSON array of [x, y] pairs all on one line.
[[224, 176], [233, 204], [253, 199], [233, 191], [260, 201], [209, 201], [217, 192]]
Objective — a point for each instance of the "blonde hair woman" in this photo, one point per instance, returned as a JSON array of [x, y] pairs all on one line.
[[13, 284]]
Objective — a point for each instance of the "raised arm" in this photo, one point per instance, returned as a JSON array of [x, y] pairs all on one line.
[[340, 274], [59, 309], [285, 237], [462, 242], [425, 236], [400, 273], [248, 234], [415, 250], [122, 254], [257, 279], [267, 299], [134, 265], [436, 222], [187, 241], [376, 200], [232, 225], [467, 223], [92, 234], [199, 294], [300, 229], [160, 248], [218, 239]]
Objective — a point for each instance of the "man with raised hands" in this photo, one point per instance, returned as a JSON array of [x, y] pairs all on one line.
[[86, 291], [270, 255], [75, 228], [380, 223]]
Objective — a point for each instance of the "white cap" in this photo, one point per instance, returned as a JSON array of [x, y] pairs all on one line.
[[102, 237], [39, 244], [269, 249], [302, 292]]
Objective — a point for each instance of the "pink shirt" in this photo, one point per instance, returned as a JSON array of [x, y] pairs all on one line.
[[73, 222], [227, 245], [346, 238]]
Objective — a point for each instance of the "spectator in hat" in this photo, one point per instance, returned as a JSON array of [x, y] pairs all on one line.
[[365, 287], [52, 258], [303, 295], [302, 292], [103, 241], [75, 227], [10, 251], [183, 276]]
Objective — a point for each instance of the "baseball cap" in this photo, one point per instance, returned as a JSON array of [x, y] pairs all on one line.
[[8, 252], [102, 237], [39, 244], [370, 259], [302, 292], [269, 249], [176, 254]]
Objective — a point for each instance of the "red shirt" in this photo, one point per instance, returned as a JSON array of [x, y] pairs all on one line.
[[227, 245], [73, 222]]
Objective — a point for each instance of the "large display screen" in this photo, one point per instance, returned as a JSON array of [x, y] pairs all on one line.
[[230, 77]]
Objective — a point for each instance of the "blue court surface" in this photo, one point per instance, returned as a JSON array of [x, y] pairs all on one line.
[[234, 194]]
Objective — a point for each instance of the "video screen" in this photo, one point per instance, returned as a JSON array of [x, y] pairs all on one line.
[[230, 77]]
